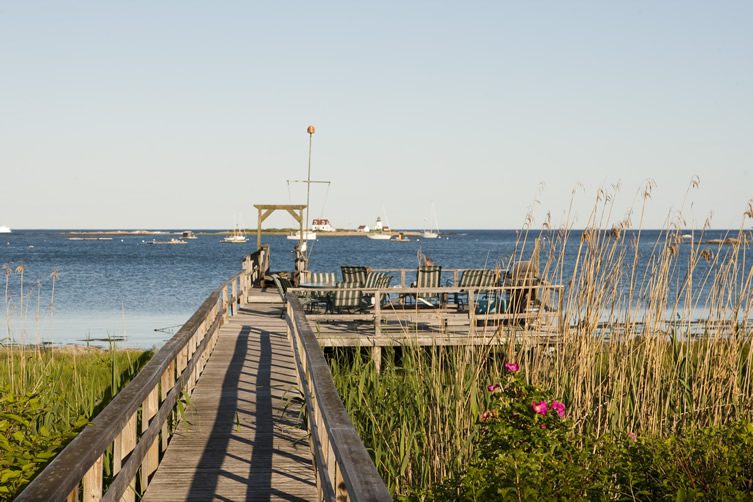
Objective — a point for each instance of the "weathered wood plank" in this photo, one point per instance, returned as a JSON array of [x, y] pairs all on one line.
[[242, 436]]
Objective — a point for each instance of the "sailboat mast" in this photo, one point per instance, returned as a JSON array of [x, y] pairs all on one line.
[[311, 129]]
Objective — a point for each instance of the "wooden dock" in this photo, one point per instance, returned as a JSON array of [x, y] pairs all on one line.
[[242, 436]]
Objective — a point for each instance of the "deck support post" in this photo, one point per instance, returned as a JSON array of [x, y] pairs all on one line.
[[376, 356]]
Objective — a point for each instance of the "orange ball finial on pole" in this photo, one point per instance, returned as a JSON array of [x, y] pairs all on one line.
[[311, 129]]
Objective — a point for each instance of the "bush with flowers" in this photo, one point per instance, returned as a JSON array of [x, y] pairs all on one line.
[[527, 450]]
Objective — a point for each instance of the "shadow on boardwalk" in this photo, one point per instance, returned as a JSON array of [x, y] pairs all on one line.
[[242, 437]]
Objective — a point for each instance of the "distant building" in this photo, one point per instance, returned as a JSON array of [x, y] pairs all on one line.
[[363, 228], [380, 226], [322, 225]]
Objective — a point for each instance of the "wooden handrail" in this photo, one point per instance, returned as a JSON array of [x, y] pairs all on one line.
[[344, 470], [151, 397]]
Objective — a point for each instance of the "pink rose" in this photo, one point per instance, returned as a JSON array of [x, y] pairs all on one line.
[[512, 367], [493, 387], [559, 407], [487, 415], [543, 426], [540, 407]]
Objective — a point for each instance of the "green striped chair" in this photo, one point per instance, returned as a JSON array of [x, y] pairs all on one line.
[[320, 277], [473, 278], [375, 280], [348, 297], [326, 278], [429, 277], [354, 274]]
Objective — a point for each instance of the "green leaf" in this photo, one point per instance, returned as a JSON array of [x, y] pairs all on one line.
[[18, 436], [7, 474]]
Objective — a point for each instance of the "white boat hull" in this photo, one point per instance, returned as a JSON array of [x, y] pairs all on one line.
[[379, 237], [430, 235], [307, 236], [4, 230]]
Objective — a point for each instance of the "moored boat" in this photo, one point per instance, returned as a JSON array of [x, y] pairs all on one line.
[[236, 237], [379, 236], [4, 229], [308, 235], [171, 241]]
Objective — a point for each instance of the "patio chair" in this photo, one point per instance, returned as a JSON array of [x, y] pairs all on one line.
[[354, 274], [473, 278], [428, 277], [319, 277], [324, 279], [347, 298], [282, 284], [376, 280]]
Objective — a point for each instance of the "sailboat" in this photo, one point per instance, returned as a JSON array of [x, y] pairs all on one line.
[[308, 235], [379, 233], [236, 237], [432, 233]]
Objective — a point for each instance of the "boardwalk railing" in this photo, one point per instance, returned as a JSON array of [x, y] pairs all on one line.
[[344, 470], [537, 305], [127, 438]]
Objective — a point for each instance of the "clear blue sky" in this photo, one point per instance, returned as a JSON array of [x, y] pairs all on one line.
[[184, 114]]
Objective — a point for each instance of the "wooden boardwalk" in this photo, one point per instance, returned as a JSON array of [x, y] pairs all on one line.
[[242, 437]]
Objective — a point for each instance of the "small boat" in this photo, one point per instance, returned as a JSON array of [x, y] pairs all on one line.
[[236, 237], [187, 234], [401, 238], [379, 236], [380, 232], [432, 233], [308, 235], [4, 229], [171, 241]]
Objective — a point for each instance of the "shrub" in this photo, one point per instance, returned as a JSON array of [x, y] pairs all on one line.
[[527, 448]]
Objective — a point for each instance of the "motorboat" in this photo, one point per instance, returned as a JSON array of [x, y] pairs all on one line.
[[4, 229], [187, 234], [171, 241]]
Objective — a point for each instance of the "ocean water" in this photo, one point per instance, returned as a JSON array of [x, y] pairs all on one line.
[[124, 288]]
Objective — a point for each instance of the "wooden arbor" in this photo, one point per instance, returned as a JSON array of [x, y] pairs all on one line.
[[265, 210]]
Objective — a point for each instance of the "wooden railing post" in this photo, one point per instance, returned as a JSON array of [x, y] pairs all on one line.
[[225, 304], [151, 461], [93, 482]]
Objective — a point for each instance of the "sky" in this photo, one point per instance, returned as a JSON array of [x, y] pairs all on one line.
[[471, 114]]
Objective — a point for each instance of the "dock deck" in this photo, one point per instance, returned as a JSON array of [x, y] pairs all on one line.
[[242, 436]]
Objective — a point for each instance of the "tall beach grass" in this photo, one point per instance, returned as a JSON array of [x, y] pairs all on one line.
[[628, 359]]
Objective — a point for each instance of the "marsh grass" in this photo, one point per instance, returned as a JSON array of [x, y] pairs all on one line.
[[628, 360], [48, 393]]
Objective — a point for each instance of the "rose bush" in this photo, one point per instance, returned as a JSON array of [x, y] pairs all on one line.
[[527, 450]]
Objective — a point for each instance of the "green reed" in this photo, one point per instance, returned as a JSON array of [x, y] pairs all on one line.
[[417, 416]]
